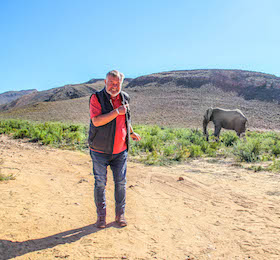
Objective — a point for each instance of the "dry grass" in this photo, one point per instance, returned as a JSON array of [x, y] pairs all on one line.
[[5, 177]]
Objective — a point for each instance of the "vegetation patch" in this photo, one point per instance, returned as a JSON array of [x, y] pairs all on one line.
[[160, 145], [56, 134], [164, 145], [5, 177]]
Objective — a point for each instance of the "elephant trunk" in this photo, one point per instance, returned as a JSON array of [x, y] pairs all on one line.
[[205, 132]]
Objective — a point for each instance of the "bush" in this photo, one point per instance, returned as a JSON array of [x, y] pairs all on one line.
[[195, 151], [155, 130], [275, 167], [182, 154], [248, 151], [267, 143], [49, 133], [152, 158], [169, 150], [229, 138], [159, 145], [22, 133], [276, 148]]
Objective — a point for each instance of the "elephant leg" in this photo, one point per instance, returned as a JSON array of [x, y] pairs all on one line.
[[241, 135], [217, 131], [240, 132]]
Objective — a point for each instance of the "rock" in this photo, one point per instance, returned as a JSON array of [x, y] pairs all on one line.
[[82, 180]]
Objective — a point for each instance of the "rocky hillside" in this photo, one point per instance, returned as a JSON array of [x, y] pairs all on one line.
[[57, 94], [9, 96], [247, 84], [174, 99]]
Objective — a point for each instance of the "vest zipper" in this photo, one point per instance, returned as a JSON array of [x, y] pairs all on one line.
[[115, 127], [111, 103]]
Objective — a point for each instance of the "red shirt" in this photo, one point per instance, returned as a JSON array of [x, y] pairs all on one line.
[[121, 131]]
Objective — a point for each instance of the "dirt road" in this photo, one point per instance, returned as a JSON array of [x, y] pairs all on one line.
[[218, 210]]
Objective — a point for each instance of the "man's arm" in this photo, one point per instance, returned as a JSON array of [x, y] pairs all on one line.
[[106, 118]]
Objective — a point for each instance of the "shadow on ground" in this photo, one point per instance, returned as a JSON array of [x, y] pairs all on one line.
[[10, 249]]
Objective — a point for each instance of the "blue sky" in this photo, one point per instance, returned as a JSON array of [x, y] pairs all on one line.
[[49, 43]]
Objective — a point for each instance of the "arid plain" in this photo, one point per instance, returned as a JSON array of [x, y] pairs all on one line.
[[216, 210]]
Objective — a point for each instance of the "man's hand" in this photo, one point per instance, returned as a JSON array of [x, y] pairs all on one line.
[[135, 136], [122, 109]]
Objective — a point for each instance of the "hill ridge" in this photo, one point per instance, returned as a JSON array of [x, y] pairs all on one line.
[[176, 101], [248, 84], [9, 96]]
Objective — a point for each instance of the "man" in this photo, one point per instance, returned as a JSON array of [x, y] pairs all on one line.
[[110, 128]]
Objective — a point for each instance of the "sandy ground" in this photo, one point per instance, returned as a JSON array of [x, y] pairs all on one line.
[[218, 211]]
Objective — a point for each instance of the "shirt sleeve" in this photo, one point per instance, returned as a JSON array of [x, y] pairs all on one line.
[[94, 107]]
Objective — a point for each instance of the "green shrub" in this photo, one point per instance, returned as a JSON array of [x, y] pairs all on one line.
[[267, 143], [49, 133], [48, 140], [195, 150], [229, 138], [37, 135], [169, 150], [209, 148], [266, 157], [276, 148], [159, 145], [148, 144], [167, 136], [155, 130], [182, 154], [21, 133], [211, 152], [275, 166], [248, 151], [152, 158], [214, 145]]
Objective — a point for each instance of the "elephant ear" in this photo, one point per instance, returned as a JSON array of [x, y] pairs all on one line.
[[209, 113]]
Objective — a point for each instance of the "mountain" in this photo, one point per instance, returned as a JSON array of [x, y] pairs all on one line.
[[248, 84], [9, 96], [66, 92], [174, 99]]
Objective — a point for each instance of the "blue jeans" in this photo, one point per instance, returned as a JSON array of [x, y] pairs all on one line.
[[118, 164]]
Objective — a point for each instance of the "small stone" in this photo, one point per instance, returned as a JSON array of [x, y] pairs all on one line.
[[82, 180], [180, 179]]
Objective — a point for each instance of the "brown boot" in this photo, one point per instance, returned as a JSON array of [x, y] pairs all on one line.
[[120, 219], [101, 221]]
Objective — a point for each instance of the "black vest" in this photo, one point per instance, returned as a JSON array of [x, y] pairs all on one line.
[[102, 138]]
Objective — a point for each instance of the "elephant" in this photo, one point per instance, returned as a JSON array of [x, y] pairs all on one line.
[[224, 118]]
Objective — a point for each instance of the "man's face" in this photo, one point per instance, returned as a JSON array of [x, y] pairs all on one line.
[[113, 85]]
